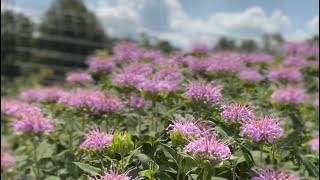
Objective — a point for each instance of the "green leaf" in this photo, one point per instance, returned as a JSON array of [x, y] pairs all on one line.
[[297, 123], [147, 173], [44, 150], [247, 155], [290, 139], [144, 158], [169, 152], [87, 168], [311, 167]]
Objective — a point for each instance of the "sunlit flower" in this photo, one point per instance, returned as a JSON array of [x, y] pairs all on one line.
[[78, 77], [153, 85], [203, 91], [251, 75], [185, 126], [100, 64], [113, 174], [208, 147], [96, 140], [43, 94], [314, 143], [289, 94], [200, 47], [295, 61], [237, 112], [290, 74], [32, 123], [264, 128], [127, 51], [270, 174], [136, 101], [6, 161], [18, 109], [128, 79]]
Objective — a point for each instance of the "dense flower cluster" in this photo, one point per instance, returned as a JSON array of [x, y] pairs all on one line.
[[208, 147], [295, 61], [264, 128], [251, 75], [289, 94], [43, 94], [96, 140], [314, 143], [6, 161], [200, 47], [94, 100], [237, 112], [17, 108], [270, 174], [202, 91], [290, 74], [127, 51], [113, 174], [100, 64], [136, 101], [301, 48], [33, 123], [185, 126], [78, 77]]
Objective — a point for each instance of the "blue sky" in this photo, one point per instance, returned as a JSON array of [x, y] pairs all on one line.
[[185, 21]]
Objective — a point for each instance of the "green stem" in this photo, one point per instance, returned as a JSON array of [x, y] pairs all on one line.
[[122, 163], [261, 152], [234, 175], [70, 141], [35, 166], [179, 167], [205, 172], [272, 156], [102, 163], [139, 126]]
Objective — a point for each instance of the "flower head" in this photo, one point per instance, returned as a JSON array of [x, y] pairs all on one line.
[[136, 101], [18, 109], [154, 85], [100, 64], [126, 51], [202, 91], [78, 77], [96, 140], [185, 126], [250, 75], [113, 174], [289, 94], [237, 112], [138, 68], [32, 123], [43, 94], [314, 143], [128, 79], [6, 161], [264, 128], [200, 47], [295, 61], [272, 175], [208, 147], [290, 74]]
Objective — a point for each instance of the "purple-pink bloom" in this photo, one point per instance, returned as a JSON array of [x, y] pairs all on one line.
[[256, 58], [301, 48], [100, 64], [197, 64], [136, 101], [78, 77], [33, 123], [208, 147], [153, 85], [264, 128], [314, 143], [250, 75], [203, 91], [127, 51], [199, 47], [113, 174], [186, 126], [96, 140], [94, 100], [6, 161], [224, 62], [290, 74], [18, 109], [289, 94], [42, 94], [138, 68], [168, 73], [237, 113], [152, 54], [128, 79], [296, 61], [270, 174]]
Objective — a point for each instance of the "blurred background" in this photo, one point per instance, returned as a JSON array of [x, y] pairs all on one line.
[[41, 40]]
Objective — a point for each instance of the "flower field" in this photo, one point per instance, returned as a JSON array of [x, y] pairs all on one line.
[[141, 114]]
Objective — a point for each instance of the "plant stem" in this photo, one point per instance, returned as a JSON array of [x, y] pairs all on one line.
[[205, 172], [121, 163], [35, 167], [139, 126], [261, 152], [70, 141], [102, 164], [179, 167]]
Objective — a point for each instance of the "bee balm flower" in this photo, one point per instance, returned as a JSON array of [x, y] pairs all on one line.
[[236, 112], [272, 175], [204, 92], [289, 94], [96, 140]]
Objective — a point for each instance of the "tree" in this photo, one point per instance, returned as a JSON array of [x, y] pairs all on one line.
[[16, 32], [165, 46], [70, 32], [225, 44], [248, 45]]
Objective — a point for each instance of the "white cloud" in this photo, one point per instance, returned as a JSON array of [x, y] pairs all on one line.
[[124, 18], [313, 25]]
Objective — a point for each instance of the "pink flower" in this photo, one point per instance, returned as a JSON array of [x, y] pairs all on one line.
[[78, 77], [224, 63], [32, 123], [272, 175], [251, 75], [301, 48], [314, 143], [113, 174], [290, 74], [43, 94], [126, 51], [200, 47], [153, 85], [6, 161], [203, 91], [152, 54], [237, 112], [96, 140], [136, 101], [296, 61], [100, 64], [138, 68], [94, 100], [257, 58], [18, 109], [316, 102], [186, 126], [289, 94], [197, 64], [208, 147], [128, 79], [264, 128], [168, 73]]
